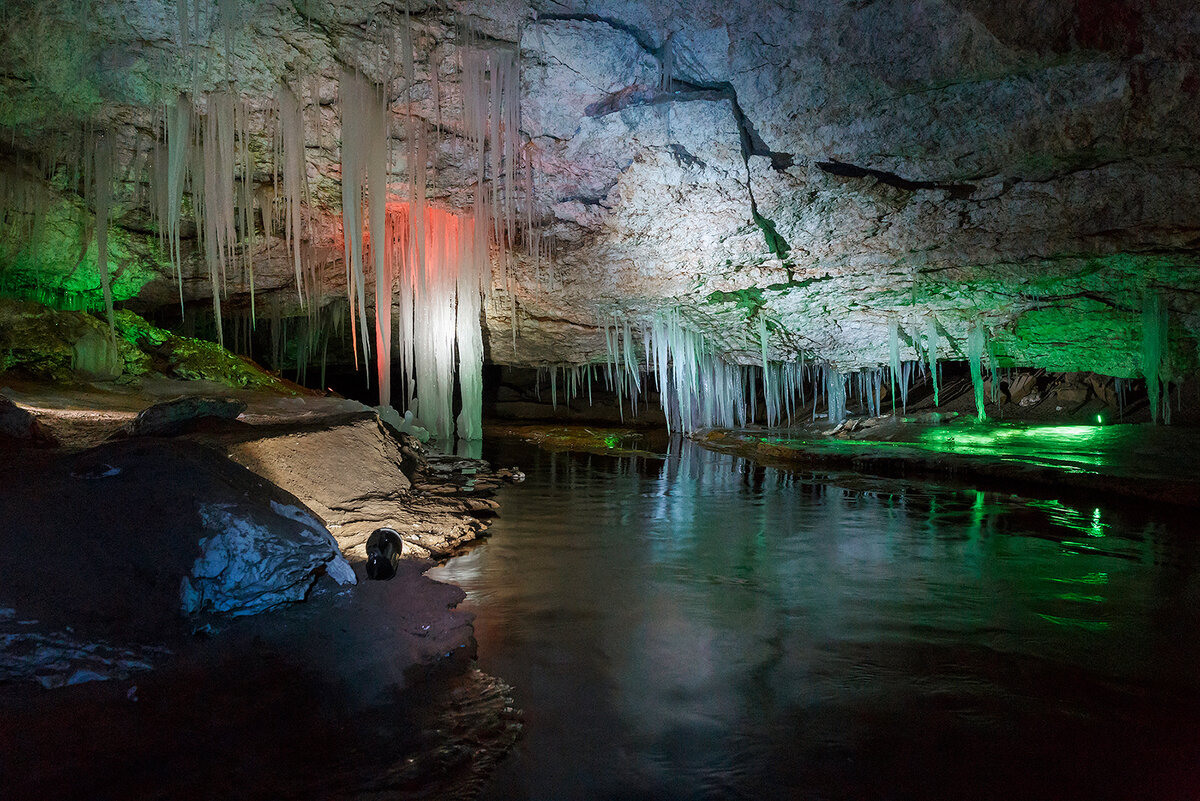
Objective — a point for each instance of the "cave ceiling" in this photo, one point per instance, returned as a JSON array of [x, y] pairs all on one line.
[[831, 167]]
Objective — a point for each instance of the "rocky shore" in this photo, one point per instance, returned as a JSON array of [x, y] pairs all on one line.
[[184, 610]]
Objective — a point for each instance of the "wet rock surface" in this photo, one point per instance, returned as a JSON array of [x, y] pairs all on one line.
[[176, 416], [18, 424], [190, 613]]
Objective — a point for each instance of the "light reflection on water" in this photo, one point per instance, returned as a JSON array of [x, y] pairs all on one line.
[[1134, 451], [702, 627]]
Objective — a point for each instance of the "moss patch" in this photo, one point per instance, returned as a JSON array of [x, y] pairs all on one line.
[[70, 346]]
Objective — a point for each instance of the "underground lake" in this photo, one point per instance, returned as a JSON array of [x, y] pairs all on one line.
[[700, 626]]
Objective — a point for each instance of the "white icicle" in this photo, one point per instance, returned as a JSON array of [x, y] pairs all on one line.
[[1154, 353], [932, 352], [976, 340], [102, 155]]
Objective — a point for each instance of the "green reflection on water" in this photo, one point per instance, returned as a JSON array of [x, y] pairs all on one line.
[[1090, 578], [1080, 597], [1069, 517], [1070, 622], [1079, 445]]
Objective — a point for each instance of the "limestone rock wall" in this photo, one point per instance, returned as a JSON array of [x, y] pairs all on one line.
[[1031, 167]]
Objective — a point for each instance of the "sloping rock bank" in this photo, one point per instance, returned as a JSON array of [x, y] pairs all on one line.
[[147, 560]]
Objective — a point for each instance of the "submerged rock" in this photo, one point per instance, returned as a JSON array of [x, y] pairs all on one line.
[[59, 659]]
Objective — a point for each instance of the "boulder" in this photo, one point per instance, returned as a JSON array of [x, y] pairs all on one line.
[[18, 424], [124, 543], [176, 416], [252, 560]]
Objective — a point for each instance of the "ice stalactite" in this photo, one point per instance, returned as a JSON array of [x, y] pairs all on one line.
[[245, 201], [102, 163], [835, 394], [207, 156], [179, 141], [474, 276], [219, 227], [699, 388], [377, 169], [440, 298], [436, 261], [771, 398], [868, 384], [976, 342], [289, 146], [931, 346], [361, 105], [894, 358], [906, 374], [491, 97], [1154, 355]]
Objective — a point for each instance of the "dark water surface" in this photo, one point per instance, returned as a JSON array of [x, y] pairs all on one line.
[[702, 627]]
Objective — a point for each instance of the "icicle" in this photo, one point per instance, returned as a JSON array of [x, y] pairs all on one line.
[[894, 358], [246, 201], [768, 397], [359, 101], [375, 134], [835, 393], [932, 353], [102, 155], [179, 140], [1154, 352], [976, 339], [473, 276], [295, 177]]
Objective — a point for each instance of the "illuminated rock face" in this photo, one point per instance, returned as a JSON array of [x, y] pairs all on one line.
[[832, 167]]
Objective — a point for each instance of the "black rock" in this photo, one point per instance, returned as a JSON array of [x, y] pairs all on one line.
[[384, 547]]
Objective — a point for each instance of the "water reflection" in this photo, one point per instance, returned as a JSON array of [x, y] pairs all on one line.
[[703, 627]]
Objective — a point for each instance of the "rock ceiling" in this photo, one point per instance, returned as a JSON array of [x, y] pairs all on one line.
[[830, 166]]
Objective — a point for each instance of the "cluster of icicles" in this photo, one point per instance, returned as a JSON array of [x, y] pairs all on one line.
[[425, 270], [431, 263], [698, 388]]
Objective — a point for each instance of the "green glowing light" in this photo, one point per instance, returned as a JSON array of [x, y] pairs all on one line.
[[1068, 517], [612, 441], [1099, 419], [1080, 597], [1090, 578], [1070, 622]]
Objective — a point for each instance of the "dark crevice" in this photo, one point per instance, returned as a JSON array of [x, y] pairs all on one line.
[[641, 37], [684, 157], [683, 90], [843, 170], [1045, 300], [586, 200], [752, 141]]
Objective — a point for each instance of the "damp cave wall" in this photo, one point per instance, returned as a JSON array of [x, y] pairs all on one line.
[[830, 167]]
